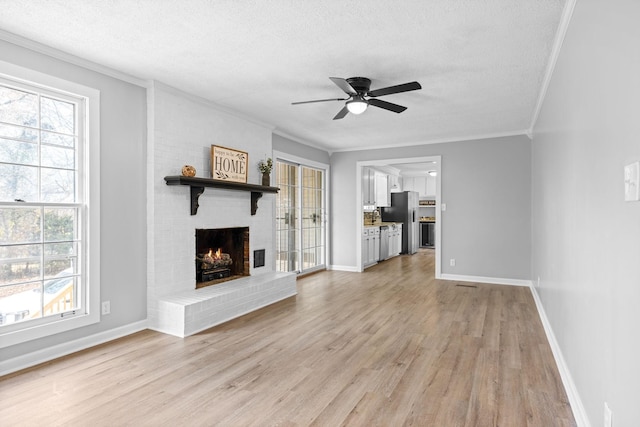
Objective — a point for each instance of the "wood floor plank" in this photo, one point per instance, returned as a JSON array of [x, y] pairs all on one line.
[[391, 346]]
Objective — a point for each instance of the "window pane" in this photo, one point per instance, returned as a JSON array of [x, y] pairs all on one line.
[[25, 153], [58, 185], [19, 271], [18, 182], [58, 139], [18, 132], [19, 225], [58, 157], [308, 197], [58, 116], [283, 238], [19, 302], [61, 250], [310, 236], [59, 267], [307, 177], [60, 295], [27, 253], [59, 224], [20, 264], [292, 175], [18, 107]]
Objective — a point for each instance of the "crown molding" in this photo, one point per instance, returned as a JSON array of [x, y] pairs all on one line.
[[565, 19], [520, 132], [302, 141], [72, 59]]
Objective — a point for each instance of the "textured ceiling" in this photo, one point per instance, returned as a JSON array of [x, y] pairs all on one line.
[[481, 63]]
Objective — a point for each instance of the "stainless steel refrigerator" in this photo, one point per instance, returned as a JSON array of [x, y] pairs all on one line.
[[404, 209]]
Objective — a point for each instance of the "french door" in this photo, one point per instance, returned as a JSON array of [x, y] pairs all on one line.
[[300, 217]]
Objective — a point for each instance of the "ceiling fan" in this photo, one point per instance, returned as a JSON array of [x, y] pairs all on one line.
[[360, 97]]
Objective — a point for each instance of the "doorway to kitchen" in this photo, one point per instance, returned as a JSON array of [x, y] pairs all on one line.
[[301, 220], [410, 168]]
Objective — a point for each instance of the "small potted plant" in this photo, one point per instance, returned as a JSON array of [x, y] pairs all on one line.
[[265, 167]]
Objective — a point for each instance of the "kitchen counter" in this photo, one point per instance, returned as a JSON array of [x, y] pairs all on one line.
[[381, 223]]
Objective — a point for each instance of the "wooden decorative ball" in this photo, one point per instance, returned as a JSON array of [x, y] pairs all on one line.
[[188, 170]]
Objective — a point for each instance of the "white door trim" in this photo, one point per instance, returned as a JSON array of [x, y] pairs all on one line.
[[360, 222]]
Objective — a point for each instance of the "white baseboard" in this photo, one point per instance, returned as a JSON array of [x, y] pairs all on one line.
[[344, 268], [577, 407], [50, 353], [480, 279]]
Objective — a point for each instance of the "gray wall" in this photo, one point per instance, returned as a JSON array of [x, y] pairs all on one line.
[[122, 190], [286, 145], [486, 185], [586, 239]]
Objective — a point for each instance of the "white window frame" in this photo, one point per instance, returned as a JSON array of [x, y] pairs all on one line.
[[89, 180]]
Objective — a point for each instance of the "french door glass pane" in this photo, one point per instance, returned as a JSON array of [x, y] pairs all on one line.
[[313, 217], [286, 223]]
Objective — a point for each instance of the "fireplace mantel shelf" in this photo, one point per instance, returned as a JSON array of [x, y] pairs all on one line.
[[197, 186]]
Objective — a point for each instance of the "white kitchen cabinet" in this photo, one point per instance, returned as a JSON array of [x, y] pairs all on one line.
[[372, 249], [407, 183], [430, 187], [420, 185], [376, 244], [365, 247], [395, 240], [424, 185], [395, 184], [383, 196], [415, 183], [368, 186], [370, 246]]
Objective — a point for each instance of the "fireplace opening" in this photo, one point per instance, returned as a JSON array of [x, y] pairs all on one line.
[[222, 254]]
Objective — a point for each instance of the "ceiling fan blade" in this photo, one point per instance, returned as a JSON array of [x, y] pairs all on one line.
[[341, 113], [387, 105], [406, 87], [319, 100], [344, 85]]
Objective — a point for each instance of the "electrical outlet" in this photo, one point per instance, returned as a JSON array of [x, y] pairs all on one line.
[[452, 262], [443, 207], [608, 416], [538, 284], [106, 307]]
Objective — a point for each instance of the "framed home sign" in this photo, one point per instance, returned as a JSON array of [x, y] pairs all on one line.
[[228, 164]]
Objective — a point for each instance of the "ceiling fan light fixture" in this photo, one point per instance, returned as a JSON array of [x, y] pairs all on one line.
[[357, 105]]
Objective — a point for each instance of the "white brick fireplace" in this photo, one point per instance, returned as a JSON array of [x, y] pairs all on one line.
[[181, 130]]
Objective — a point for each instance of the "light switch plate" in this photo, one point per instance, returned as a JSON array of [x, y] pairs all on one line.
[[631, 178]]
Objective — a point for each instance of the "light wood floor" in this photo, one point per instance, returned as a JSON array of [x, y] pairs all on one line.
[[388, 347]]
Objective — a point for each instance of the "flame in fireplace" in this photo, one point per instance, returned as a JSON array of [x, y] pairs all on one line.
[[213, 255]]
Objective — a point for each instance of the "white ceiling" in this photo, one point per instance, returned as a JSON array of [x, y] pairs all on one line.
[[481, 63]]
